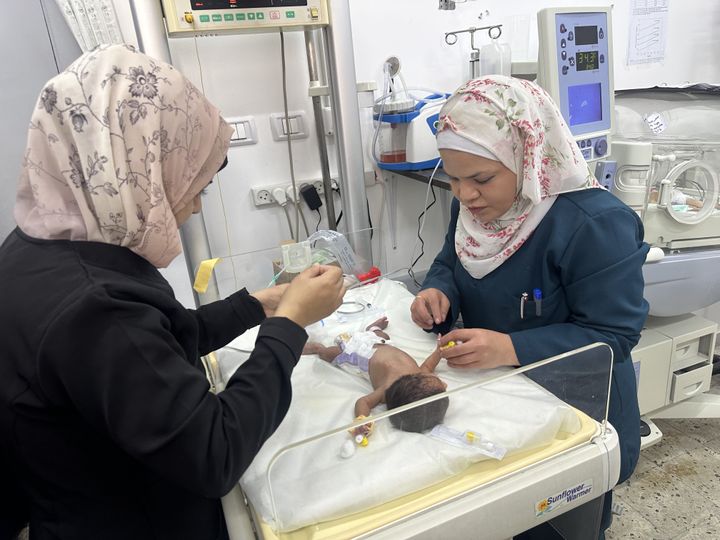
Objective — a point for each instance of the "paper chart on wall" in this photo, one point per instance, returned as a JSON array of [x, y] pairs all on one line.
[[647, 34], [92, 22]]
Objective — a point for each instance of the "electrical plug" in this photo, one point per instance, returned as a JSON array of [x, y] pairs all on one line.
[[280, 196], [291, 194]]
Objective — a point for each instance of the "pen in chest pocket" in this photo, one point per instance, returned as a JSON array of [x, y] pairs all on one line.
[[537, 296], [537, 302]]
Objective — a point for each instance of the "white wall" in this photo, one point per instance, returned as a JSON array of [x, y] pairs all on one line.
[[34, 44], [414, 30], [241, 74]]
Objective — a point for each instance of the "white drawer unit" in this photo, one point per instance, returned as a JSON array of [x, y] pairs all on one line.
[[651, 359], [674, 360], [687, 383]]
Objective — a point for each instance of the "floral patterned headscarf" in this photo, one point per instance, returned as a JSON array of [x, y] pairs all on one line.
[[118, 144], [516, 121]]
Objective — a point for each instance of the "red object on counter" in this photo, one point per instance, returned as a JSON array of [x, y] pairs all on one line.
[[371, 276]]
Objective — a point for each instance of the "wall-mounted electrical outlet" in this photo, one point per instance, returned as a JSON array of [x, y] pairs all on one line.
[[262, 196], [319, 187]]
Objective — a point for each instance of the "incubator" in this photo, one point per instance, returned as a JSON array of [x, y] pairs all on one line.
[[532, 444], [666, 162], [668, 166]]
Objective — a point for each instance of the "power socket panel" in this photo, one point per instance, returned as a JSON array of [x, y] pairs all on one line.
[[263, 195]]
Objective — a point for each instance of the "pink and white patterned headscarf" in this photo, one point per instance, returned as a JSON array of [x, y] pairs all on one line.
[[517, 122], [118, 144]]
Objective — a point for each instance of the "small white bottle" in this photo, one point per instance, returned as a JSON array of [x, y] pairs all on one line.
[[495, 59]]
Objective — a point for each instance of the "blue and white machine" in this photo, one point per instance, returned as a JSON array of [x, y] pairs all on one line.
[[406, 138], [575, 68]]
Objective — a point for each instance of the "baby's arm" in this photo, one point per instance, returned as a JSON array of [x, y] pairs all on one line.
[[431, 362], [365, 404]]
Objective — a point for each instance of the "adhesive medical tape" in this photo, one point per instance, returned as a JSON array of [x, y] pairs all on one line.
[[204, 273]]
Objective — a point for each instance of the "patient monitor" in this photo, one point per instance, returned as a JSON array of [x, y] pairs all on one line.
[[575, 68], [210, 17]]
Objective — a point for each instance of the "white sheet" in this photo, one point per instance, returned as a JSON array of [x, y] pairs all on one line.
[[314, 483]]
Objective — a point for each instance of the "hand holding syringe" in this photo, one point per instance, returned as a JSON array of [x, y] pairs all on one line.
[[477, 348]]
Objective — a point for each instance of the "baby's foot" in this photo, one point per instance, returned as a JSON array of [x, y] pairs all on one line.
[[378, 327], [380, 324]]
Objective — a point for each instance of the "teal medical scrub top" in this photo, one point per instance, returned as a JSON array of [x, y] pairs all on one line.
[[586, 257]]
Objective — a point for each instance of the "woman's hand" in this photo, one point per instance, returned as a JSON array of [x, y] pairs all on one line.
[[270, 298], [478, 348], [312, 295], [430, 307]]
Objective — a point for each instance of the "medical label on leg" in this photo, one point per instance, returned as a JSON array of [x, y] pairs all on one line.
[[566, 496]]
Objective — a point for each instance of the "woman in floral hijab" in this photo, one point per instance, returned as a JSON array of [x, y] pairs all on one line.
[[119, 145], [538, 259], [107, 425]]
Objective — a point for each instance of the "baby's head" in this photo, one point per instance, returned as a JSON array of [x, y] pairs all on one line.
[[410, 388]]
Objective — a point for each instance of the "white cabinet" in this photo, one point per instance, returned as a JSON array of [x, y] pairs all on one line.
[[673, 360]]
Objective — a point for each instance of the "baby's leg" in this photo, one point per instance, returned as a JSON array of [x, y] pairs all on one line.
[[326, 353], [378, 327], [381, 324]]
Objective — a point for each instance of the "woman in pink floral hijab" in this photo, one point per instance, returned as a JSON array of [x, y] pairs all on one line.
[[108, 428], [538, 259], [516, 123], [119, 146]]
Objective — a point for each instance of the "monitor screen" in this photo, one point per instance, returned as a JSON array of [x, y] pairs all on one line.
[[586, 60], [245, 4], [585, 103], [586, 35]]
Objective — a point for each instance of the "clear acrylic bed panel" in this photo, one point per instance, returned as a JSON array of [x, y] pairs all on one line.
[[498, 422]]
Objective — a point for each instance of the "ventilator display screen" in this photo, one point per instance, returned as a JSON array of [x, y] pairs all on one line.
[[586, 35], [585, 103], [244, 4], [586, 60]]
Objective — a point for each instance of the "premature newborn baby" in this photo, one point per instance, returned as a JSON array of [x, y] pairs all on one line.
[[396, 378]]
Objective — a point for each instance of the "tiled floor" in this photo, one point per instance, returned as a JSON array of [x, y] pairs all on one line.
[[674, 493]]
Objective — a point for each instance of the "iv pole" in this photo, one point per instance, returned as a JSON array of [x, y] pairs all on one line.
[[343, 93], [152, 40], [318, 76]]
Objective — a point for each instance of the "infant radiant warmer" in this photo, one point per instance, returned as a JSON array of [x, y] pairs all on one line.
[[667, 150]]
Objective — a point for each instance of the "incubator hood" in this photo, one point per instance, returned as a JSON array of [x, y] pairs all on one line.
[[667, 155]]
